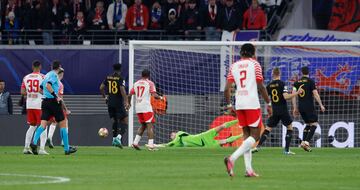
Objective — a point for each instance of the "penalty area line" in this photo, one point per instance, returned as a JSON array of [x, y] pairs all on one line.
[[46, 179]]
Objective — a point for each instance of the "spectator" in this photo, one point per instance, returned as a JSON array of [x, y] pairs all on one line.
[[12, 25], [181, 7], [271, 8], [230, 17], [27, 15], [12, 6], [116, 15], [137, 17], [169, 4], [79, 26], [6, 106], [209, 16], [191, 20], [97, 17], [156, 15], [67, 29], [74, 6], [172, 25], [254, 17], [43, 21]]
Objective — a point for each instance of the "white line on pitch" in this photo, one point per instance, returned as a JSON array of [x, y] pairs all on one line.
[[48, 179]]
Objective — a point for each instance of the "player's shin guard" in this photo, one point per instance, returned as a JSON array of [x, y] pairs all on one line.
[[115, 129], [311, 133], [43, 138], [306, 132], [29, 135], [52, 128], [248, 160], [288, 138], [263, 137], [65, 138], [246, 145], [38, 132]]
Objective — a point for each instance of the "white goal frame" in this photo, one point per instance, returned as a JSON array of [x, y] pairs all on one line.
[[134, 43]]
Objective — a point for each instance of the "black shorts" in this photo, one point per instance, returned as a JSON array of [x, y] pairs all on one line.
[[309, 116], [52, 108], [274, 120], [117, 112]]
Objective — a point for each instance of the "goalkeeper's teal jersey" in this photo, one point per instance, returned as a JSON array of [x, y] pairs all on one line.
[[184, 139]]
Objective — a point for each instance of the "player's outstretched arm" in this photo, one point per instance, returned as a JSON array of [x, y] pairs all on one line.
[[227, 92], [288, 96], [102, 91], [294, 104], [318, 100], [264, 94]]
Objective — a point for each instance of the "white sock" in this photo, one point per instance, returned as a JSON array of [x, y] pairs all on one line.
[[247, 160], [29, 135], [52, 128], [246, 145], [43, 138], [118, 136], [151, 142], [137, 139]]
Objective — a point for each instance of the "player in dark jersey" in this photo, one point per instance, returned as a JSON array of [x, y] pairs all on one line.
[[279, 94], [306, 106], [116, 99]]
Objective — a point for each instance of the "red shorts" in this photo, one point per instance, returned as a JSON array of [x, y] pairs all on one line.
[[251, 118], [147, 117], [33, 116], [52, 118]]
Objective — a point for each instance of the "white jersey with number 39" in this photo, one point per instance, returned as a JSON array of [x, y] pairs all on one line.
[[246, 73], [142, 90], [31, 83]]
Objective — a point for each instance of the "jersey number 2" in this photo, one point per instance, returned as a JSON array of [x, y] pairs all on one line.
[[242, 79]]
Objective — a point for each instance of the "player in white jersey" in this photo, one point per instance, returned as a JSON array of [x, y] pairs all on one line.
[[247, 75], [53, 124], [143, 90], [30, 88]]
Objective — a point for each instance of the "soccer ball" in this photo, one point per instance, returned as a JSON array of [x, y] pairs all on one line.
[[103, 132]]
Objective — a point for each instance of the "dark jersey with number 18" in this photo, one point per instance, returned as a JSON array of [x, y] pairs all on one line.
[[275, 89], [113, 84], [306, 100]]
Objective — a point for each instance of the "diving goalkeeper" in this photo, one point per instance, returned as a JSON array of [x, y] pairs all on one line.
[[205, 139]]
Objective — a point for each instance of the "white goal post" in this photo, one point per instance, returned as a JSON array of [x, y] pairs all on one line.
[[192, 75]]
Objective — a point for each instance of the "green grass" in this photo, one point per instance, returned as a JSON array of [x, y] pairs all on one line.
[[181, 168]]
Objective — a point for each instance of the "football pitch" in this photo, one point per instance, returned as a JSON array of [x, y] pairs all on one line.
[[177, 168]]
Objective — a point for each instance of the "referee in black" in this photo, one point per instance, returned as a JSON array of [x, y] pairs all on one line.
[[113, 91], [278, 92], [306, 106]]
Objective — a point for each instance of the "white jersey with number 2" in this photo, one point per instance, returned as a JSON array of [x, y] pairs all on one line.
[[31, 83], [246, 73], [142, 90]]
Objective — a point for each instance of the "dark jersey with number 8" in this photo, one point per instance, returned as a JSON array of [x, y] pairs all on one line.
[[275, 89]]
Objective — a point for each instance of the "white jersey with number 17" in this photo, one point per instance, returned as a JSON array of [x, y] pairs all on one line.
[[142, 90], [246, 73], [31, 83]]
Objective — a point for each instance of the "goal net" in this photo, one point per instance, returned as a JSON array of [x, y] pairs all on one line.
[[192, 76]]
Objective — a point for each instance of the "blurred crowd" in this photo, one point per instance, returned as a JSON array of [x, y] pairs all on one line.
[[188, 17]]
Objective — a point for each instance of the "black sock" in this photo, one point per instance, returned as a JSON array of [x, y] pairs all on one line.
[[263, 137], [123, 128], [311, 133], [115, 128], [288, 138], [306, 132]]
